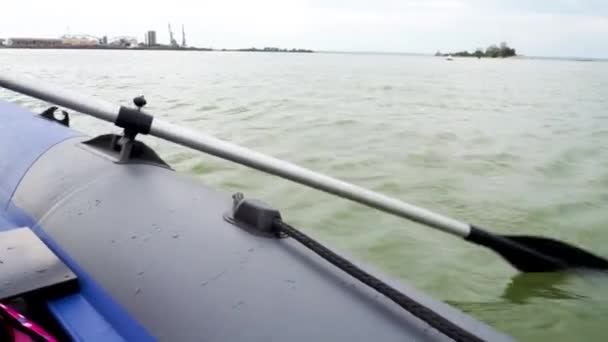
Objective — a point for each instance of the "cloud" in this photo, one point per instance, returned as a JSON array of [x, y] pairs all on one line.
[[559, 7]]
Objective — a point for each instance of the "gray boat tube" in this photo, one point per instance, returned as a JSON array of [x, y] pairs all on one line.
[[158, 244]]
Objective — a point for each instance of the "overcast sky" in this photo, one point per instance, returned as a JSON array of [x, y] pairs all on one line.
[[533, 27]]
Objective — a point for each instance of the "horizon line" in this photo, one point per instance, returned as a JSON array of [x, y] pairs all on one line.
[[387, 52]]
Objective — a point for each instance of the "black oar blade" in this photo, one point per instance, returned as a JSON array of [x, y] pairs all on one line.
[[572, 256], [536, 254]]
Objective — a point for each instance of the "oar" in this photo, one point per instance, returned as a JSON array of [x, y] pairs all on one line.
[[526, 253]]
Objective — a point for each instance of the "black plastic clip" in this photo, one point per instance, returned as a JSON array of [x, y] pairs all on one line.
[[54, 114], [129, 120], [254, 216]]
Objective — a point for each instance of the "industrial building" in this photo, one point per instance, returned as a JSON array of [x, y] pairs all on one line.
[[85, 41], [79, 40], [34, 42], [124, 41], [150, 38]]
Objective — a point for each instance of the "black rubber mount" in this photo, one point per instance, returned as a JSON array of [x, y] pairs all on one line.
[[254, 216], [140, 152], [50, 115]]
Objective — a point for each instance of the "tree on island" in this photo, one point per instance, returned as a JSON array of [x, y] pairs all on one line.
[[506, 51], [492, 51]]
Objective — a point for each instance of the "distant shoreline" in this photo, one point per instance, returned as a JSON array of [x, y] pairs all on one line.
[[386, 53], [155, 48]]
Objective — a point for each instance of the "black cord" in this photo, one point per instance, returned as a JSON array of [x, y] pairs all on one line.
[[422, 312]]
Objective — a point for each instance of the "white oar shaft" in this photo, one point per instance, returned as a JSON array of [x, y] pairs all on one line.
[[59, 96], [241, 155]]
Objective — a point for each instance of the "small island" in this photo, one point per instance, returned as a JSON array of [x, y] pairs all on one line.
[[492, 51]]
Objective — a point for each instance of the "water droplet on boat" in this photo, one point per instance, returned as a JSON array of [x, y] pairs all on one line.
[[66, 276], [1, 262], [137, 290], [251, 249], [175, 236], [203, 283], [41, 270], [97, 202], [80, 213], [239, 303], [113, 241], [133, 237], [10, 248], [140, 273]]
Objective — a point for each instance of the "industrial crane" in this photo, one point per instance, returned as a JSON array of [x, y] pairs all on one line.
[[171, 39]]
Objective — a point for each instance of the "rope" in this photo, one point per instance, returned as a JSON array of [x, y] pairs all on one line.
[[422, 312]]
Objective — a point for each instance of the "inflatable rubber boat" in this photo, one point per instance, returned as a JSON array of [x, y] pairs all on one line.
[[100, 240], [132, 251]]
